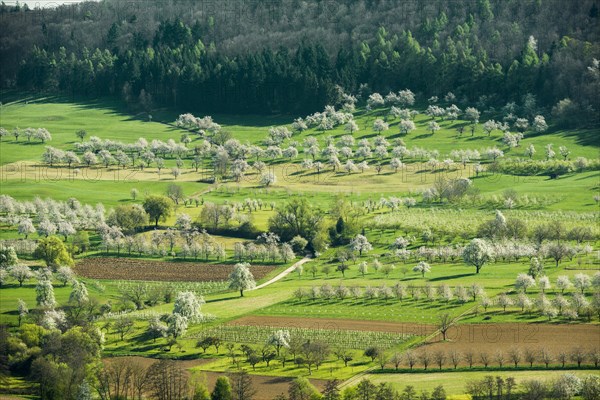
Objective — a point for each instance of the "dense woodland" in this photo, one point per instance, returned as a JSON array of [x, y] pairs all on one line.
[[289, 55]]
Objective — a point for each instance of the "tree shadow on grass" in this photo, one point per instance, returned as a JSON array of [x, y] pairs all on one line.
[[444, 278], [223, 299]]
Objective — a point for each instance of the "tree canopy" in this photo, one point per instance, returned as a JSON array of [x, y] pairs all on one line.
[[158, 208]]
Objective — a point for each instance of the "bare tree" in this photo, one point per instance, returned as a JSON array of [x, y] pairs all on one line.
[[515, 356], [445, 321], [382, 359], [396, 359], [114, 380], [578, 356], [469, 357], [530, 356], [425, 358], [410, 359], [561, 357], [545, 356], [242, 387], [454, 358], [484, 358], [168, 381], [499, 358], [439, 357]]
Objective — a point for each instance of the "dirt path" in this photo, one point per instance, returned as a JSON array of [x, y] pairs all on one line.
[[284, 273]]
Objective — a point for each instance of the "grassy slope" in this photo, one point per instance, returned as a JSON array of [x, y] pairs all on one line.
[[109, 121]]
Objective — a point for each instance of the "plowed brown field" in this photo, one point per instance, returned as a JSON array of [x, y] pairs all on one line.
[[132, 269], [505, 337]]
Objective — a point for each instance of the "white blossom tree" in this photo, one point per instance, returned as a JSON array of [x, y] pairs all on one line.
[[395, 164], [563, 283], [241, 278], [64, 275], [523, 282], [422, 267], [46, 228], [351, 127], [489, 126], [20, 273], [66, 229], [90, 158], [379, 126], [267, 179], [406, 126], [363, 151], [406, 98], [361, 244], [375, 100], [45, 294], [52, 155], [79, 295], [596, 281], [582, 282], [42, 135], [350, 167], [286, 252], [477, 253], [504, 301], [25, 227], [543, 283], [183, 222], [279, 339], [550, 154], [524, 302], [188, 305], [494, 153], [433, 127], [539, 124], [177, 325], [472, 115], [521, 124], [71, 158], [530, 151], [22, 310]]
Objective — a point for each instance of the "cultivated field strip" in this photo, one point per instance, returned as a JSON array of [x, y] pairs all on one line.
[[145, 270], [352, 339]]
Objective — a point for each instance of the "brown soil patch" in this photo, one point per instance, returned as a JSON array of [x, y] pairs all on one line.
[[335, 324], [267, 387], [493, 338], [133, 269], [146, 361]]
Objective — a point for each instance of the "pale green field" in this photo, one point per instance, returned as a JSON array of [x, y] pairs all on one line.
[[454, 382]]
